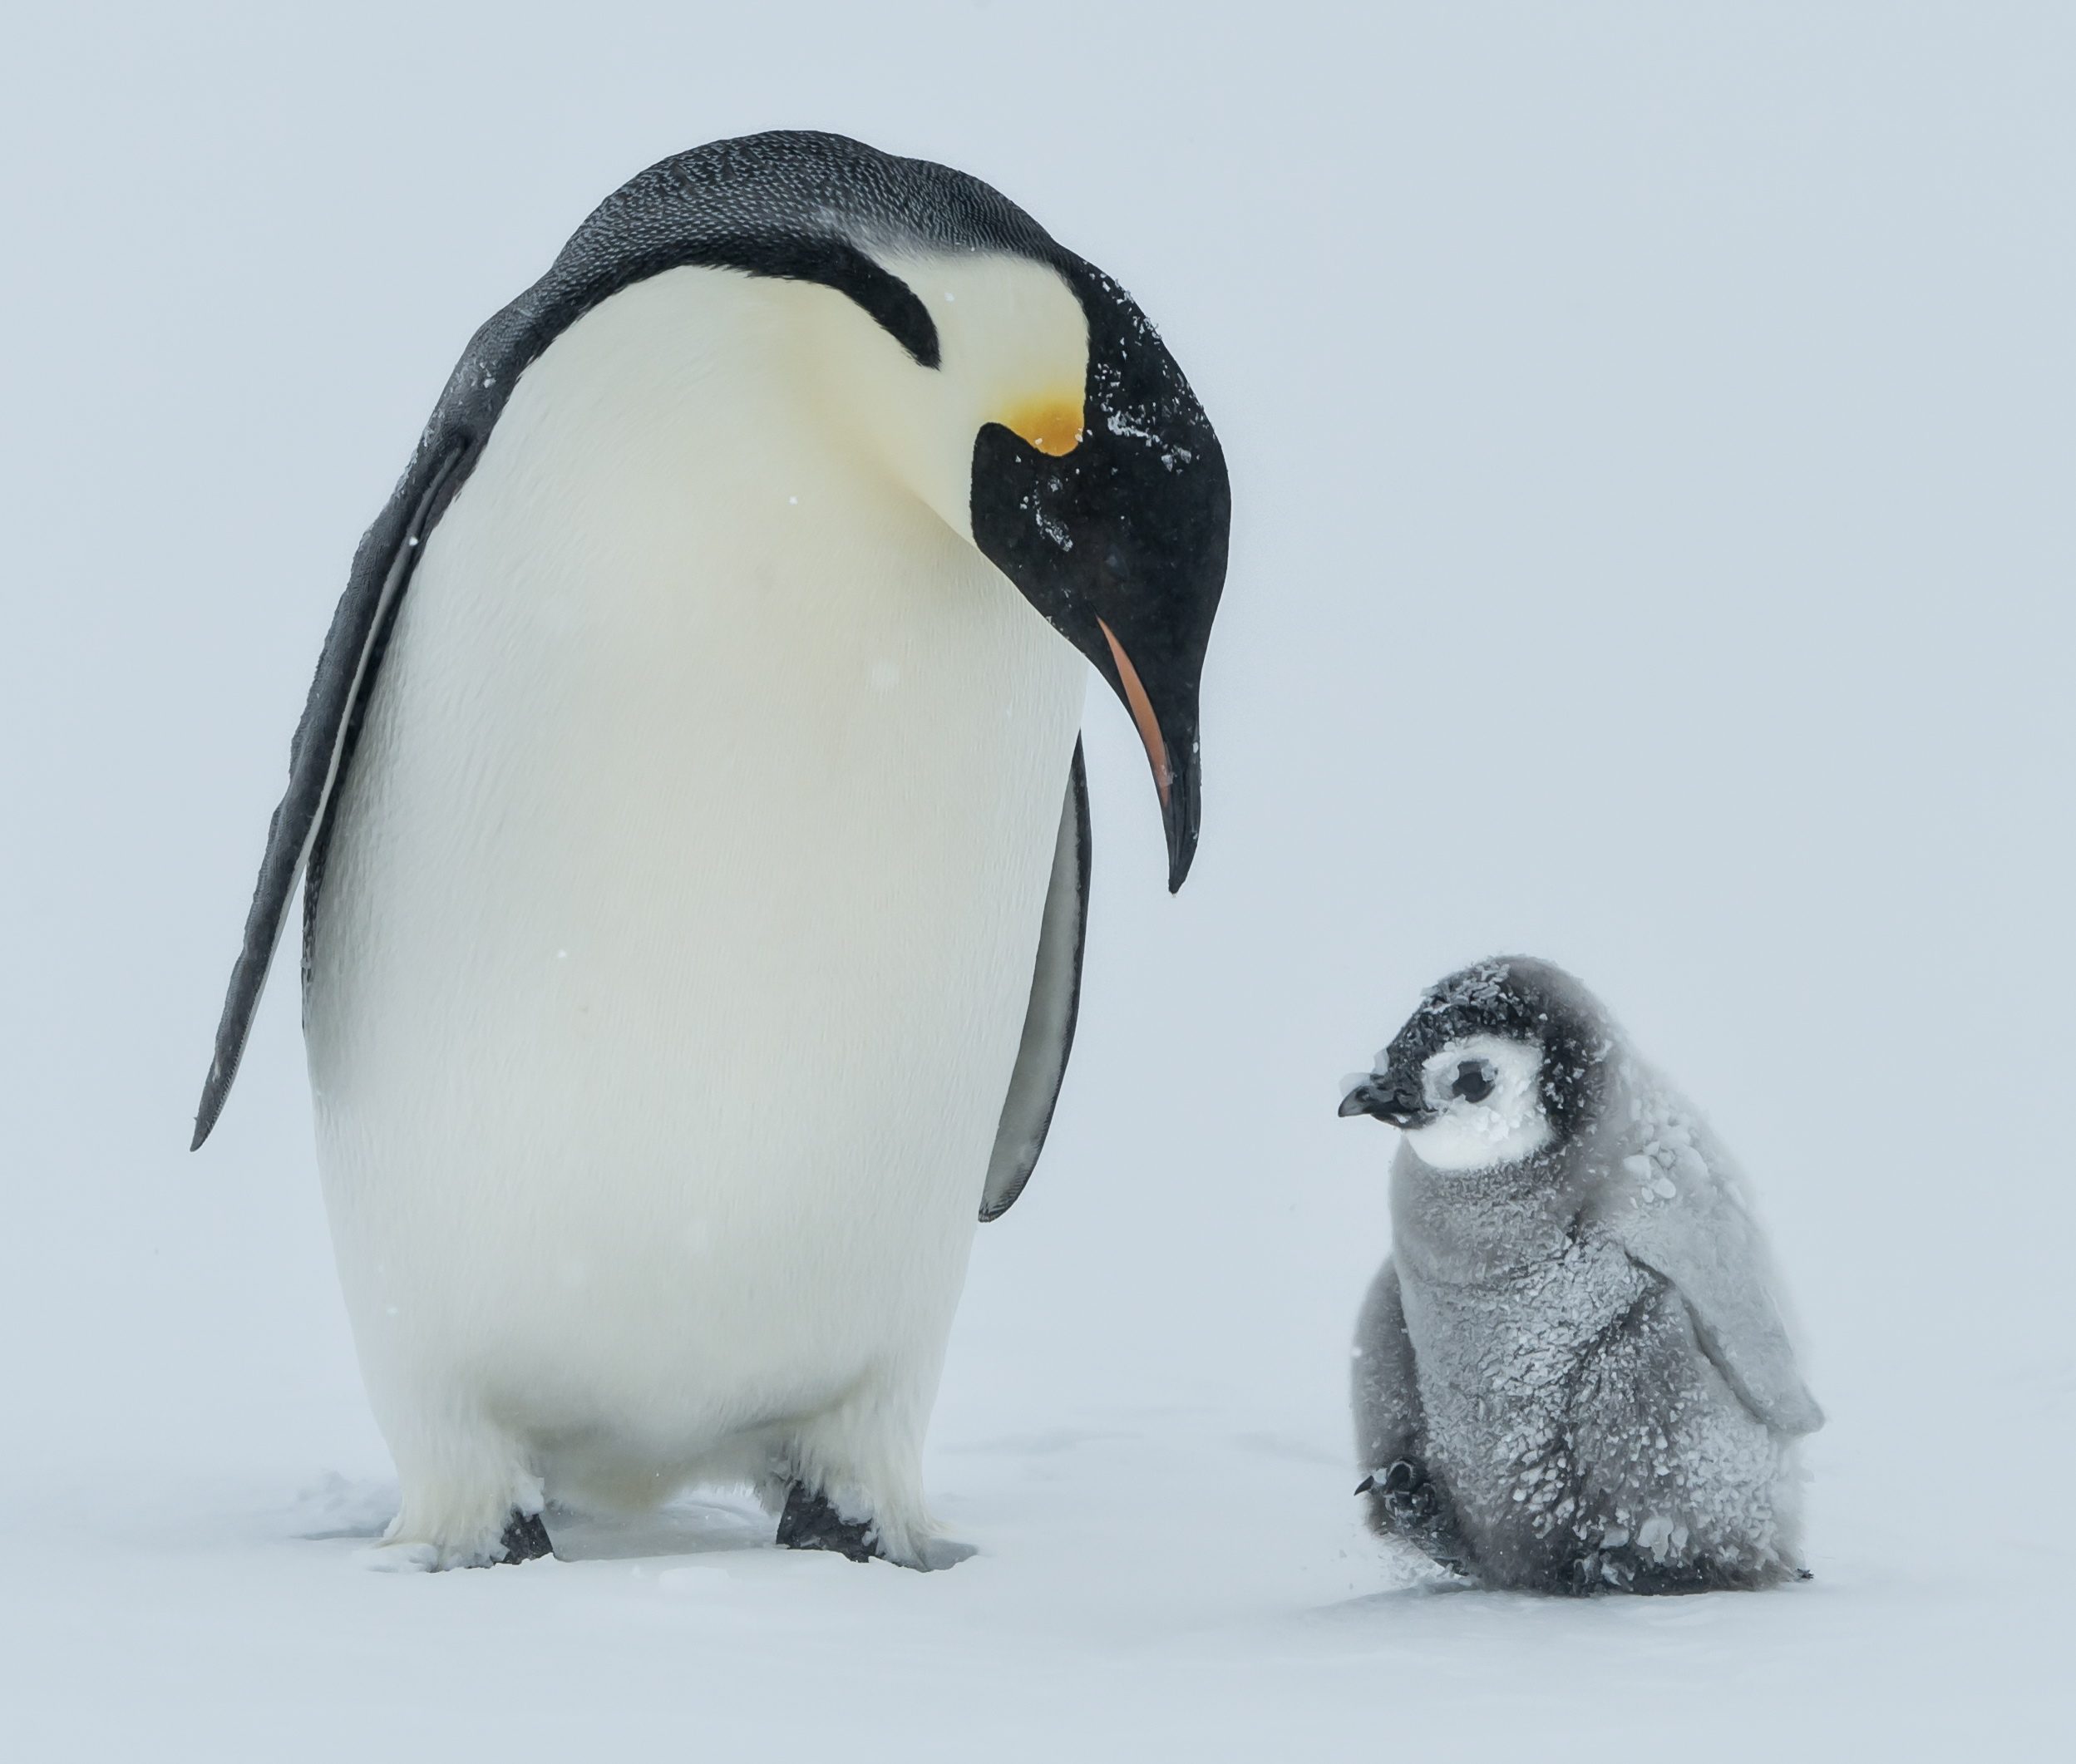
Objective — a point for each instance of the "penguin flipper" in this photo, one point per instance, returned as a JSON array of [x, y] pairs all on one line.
[[346, 669], [1048, 1023], [1677, 1205], [1384, 1383]]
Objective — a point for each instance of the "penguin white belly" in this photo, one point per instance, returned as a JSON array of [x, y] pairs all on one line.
[[674, 939]]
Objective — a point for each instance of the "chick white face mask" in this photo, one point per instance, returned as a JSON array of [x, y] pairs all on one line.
[[1488, 1103]]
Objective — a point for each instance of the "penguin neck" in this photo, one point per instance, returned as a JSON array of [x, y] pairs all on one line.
[[704, 398], [739, 382], [1468, 1226]]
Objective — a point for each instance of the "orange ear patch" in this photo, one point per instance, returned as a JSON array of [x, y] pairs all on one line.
[[1053, 426]]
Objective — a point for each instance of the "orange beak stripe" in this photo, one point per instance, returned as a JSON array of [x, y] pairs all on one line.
[[1141, 708]]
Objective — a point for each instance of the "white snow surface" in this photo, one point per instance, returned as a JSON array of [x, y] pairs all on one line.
[[1649, 435]]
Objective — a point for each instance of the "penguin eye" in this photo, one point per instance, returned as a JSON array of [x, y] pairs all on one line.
[[1473, 1081]]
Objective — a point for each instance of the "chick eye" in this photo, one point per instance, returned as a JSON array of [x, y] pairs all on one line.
[[1473, 1081]]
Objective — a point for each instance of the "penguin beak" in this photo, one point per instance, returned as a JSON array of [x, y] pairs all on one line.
[[1387, 1096], [1174, 768], [1119, 538]]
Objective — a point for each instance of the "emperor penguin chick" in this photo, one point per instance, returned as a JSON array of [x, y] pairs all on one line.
[[1571, 1374]]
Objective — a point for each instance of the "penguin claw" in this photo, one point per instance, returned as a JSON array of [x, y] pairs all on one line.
[[1407, 1503], [525, 1538], [1408, 1493], [810, 1522]]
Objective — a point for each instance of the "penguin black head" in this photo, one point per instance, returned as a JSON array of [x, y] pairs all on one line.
[[1119, 536], [1015, 388], [1502, 1061]]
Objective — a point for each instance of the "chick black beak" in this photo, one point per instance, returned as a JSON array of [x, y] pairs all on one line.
[[1388, 1097]]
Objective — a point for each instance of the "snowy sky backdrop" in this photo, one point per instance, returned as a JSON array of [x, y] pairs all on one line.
[[1651, 441]]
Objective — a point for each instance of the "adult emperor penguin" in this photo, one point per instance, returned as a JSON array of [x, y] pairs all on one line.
[[696, 836]]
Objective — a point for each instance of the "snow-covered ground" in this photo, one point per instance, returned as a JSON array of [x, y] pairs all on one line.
[[1155, 1583], [1169, 1566], [1649, 435]]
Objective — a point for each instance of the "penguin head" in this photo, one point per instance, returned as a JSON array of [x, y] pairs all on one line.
[[1116, 534], [1015, 389], [1503, 1062], [1051, 428]]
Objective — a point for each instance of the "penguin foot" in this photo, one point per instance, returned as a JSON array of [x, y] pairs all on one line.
[[809, 1522], [1405, 1494], [524, 1538], [1623, 1570], [1405, 1502]]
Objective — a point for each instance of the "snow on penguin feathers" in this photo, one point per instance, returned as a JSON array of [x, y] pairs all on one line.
[[1572, 1374]]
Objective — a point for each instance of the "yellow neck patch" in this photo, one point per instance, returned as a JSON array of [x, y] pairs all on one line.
[[1051, 425]]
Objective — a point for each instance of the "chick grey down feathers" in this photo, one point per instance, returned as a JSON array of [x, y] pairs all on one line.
[[1572, 1374]]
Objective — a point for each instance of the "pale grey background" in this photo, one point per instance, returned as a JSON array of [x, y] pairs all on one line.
[[1650, 430]]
